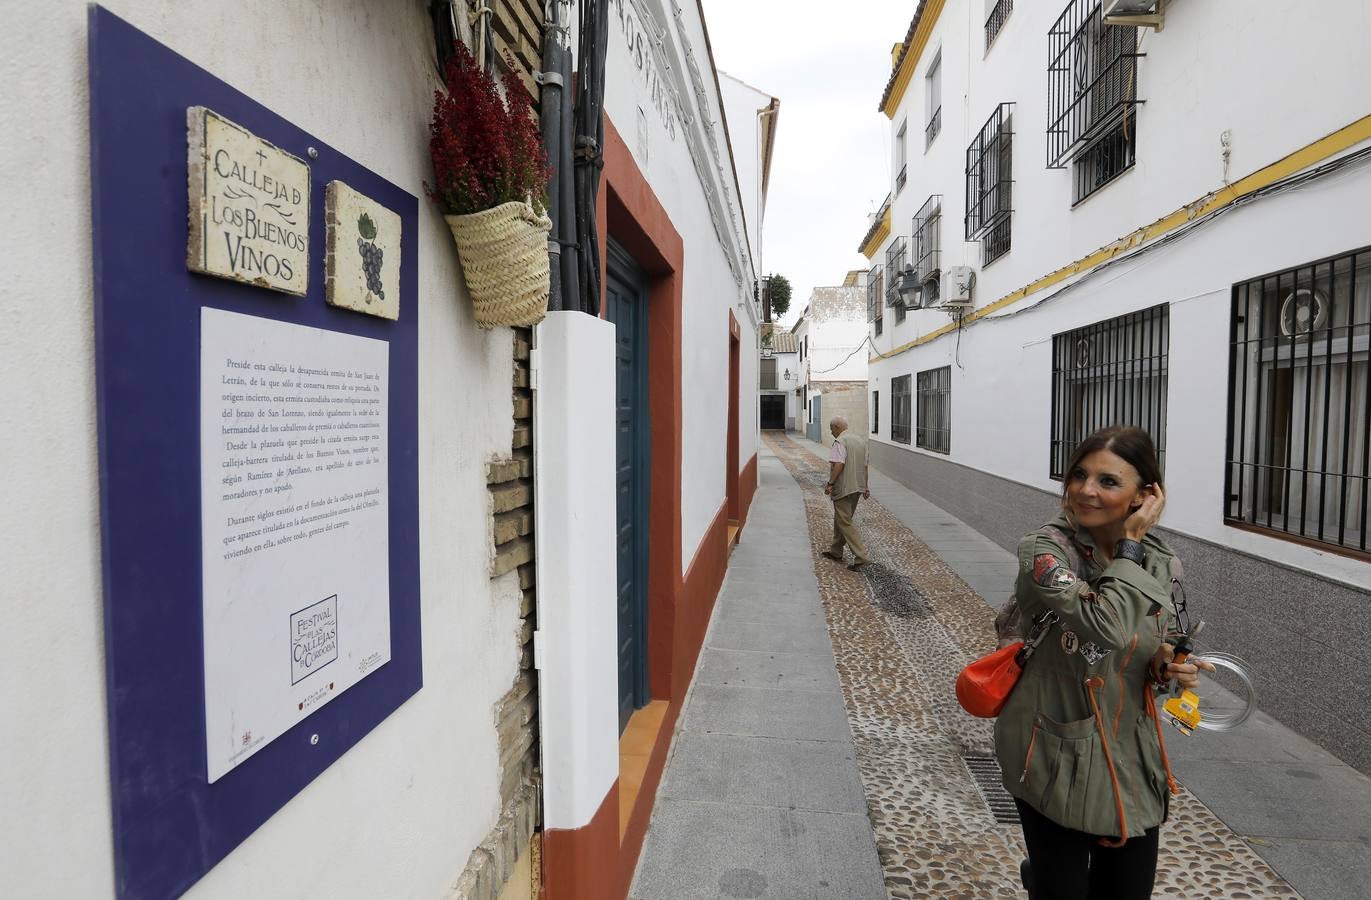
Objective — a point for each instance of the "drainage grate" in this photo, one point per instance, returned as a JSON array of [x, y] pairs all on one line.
[[985, 772]]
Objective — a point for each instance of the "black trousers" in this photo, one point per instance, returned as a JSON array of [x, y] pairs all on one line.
[[1071, 865]]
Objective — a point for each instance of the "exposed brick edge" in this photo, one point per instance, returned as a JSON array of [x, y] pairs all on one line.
[[491, 864]]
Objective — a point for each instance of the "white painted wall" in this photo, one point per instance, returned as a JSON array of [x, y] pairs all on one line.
[[837, 329], [408, 803], [665, 115], [1207, 72], [742, 102]]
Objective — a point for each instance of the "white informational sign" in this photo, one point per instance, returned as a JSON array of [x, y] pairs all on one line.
[[295, 524]]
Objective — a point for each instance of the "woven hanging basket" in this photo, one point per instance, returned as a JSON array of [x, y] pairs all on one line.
[[504, 257]]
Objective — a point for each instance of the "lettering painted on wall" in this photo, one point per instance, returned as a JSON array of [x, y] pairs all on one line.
[[640, 49], [362, 253], [249, 206]]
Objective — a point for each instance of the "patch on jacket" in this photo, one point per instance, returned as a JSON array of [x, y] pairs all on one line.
[[1070, 642], [1062, 576], [1043, 566], [1093, 653]]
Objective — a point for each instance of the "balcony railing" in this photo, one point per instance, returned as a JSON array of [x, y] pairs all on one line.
[[998, 15], [935, 124]]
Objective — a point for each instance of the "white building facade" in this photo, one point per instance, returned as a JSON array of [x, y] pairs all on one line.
[[832, 337], [1127, 221]]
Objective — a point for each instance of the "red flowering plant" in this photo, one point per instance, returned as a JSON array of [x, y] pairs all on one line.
[[486, 151]]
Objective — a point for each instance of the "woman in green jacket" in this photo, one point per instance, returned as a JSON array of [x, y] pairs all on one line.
[[1079, 740]]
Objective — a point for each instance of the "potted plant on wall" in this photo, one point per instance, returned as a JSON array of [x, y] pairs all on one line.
[[491, 179]]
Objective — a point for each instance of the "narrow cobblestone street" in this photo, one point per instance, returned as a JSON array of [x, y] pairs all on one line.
[[735, 816], [901, 632]]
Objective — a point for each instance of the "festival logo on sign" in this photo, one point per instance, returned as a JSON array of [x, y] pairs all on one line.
[[313, 638], [362, 253], [249, 206]]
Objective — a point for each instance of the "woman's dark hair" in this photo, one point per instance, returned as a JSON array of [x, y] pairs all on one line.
[[1133, 445]]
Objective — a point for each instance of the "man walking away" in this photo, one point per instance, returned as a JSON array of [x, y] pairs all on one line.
[[847, 473]]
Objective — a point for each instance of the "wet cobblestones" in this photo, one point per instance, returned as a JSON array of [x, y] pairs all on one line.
[[901, 629]]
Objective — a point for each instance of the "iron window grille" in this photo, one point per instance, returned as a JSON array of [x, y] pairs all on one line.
[[1299, 404], [1110, 373], [996, 21], [873, 294], [875, 412], [928, 223], [899, 409], [1106, 159], [896, 258], [989, 183], [1092, 82], [933, 99], [900, 156], [995, 243], [934, 431]]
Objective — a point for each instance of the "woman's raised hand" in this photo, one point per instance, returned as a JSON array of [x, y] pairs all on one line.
[[1147, 514]]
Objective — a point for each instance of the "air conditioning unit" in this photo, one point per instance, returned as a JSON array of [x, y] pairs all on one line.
[[1303, 312], [1149, 13], [959, 289]]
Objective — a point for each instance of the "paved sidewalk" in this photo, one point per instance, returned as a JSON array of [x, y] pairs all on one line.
[[761, 797], [1301, 809]]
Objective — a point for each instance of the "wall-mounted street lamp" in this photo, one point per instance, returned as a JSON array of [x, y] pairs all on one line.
[[787, 374], [909, 288]]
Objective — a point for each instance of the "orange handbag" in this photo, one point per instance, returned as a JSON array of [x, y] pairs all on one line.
[[985, 684]]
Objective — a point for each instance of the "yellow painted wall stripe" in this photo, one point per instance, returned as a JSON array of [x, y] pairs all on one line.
[[873, 246], [927, 20], [1320, 150]]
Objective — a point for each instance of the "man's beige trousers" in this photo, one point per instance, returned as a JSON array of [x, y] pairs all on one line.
[[844, 532]]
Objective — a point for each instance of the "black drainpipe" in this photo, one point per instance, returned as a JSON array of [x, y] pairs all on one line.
[[553, 103], [590, 138]]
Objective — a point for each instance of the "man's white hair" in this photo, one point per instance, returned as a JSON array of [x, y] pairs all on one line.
[[840, 421]]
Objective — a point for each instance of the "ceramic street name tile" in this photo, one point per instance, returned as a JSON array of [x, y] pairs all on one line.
[[249, 206]]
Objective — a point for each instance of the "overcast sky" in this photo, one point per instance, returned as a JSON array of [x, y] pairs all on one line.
[[828, 64]]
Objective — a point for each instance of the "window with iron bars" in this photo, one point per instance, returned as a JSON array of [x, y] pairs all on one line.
[[997, 12], [875, 298], [1110, 373], [875, 412], [928, 224], [1299, 404], [989, 184], [1092, 80], [900, 156], [933, 99], [896, 256], [934, 431], [899, 409], [1106, 159]]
